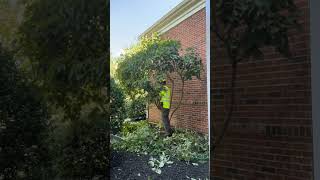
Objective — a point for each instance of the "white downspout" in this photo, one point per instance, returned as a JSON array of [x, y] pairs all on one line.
[[208, 66]]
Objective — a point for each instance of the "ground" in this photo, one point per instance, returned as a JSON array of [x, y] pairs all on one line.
[[131, 166]]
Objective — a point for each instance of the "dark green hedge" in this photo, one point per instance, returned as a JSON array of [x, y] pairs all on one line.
[[23, 124]]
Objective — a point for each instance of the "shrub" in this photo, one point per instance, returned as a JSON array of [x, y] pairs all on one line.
[[136, 108], [80, 150], [85, 157], [117, 103], [130, 127], [23, 124], [136, 135], [68, 53]]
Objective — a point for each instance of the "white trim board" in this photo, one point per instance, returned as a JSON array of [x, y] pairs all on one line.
[[178, 14], [182, 17], [315, 83]]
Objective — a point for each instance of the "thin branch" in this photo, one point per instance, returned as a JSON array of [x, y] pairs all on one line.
[[203, 70], [157, 103], [228, 117], [181, 97], [219, 35], [231, 108], [172, 88]]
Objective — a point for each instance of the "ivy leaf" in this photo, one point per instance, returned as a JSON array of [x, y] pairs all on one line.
[[158, 171], [161, 164]]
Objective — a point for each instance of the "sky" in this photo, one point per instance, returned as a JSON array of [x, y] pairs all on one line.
[[130, 18]]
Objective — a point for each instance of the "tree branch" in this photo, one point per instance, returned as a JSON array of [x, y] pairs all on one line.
[[172, 88], [231, 108], [232, 57], [218, 34], [181, 97], [157, 103]]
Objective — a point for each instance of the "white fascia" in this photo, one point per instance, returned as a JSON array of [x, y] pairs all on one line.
[[178, 14]]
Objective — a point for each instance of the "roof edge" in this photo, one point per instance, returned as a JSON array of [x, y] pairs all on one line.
[[178, 14]]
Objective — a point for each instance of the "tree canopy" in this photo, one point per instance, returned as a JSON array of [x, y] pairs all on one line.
[[246, 26], [66, 43], [153, 59]]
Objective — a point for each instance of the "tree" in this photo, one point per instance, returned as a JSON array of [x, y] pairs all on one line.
[[113, 66], [244, 28], [66, 43], [151, 60]]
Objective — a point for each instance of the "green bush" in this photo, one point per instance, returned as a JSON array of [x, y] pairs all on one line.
[[136, 108], [117, 103], [66, 42], [86, 157], [80, 150], [23, 124], [137, 140], [140, 137], [130, 127]]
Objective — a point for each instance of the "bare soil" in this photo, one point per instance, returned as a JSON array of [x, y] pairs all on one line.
[[130, 166]]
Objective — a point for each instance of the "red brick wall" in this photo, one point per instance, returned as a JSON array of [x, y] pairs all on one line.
[[193, 112], [270, 136]]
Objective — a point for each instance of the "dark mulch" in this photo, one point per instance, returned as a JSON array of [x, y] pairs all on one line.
[[126, 165]]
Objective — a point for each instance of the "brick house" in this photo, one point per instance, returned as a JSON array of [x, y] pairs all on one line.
[[270, 136], [275, 130], [187, 24]]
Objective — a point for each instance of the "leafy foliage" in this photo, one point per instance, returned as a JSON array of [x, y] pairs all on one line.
[[71, 154], [158, 164], [23, 124], [11, 15], [68, 50], [136, 108], [144, 139], [113, 66], [117, 104], [130, 127], [249, 25], [152, 59], [66, 44], [85, 156]]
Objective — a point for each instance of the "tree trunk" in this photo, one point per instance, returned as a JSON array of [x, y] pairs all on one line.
[[180, 101], [166, 122]]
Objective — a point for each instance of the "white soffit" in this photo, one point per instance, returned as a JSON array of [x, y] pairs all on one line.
[[178, 14]]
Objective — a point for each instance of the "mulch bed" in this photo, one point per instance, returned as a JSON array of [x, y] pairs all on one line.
[[131, 166]]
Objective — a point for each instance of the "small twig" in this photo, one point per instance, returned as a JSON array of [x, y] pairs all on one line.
[[157, 103], [219, 35]]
